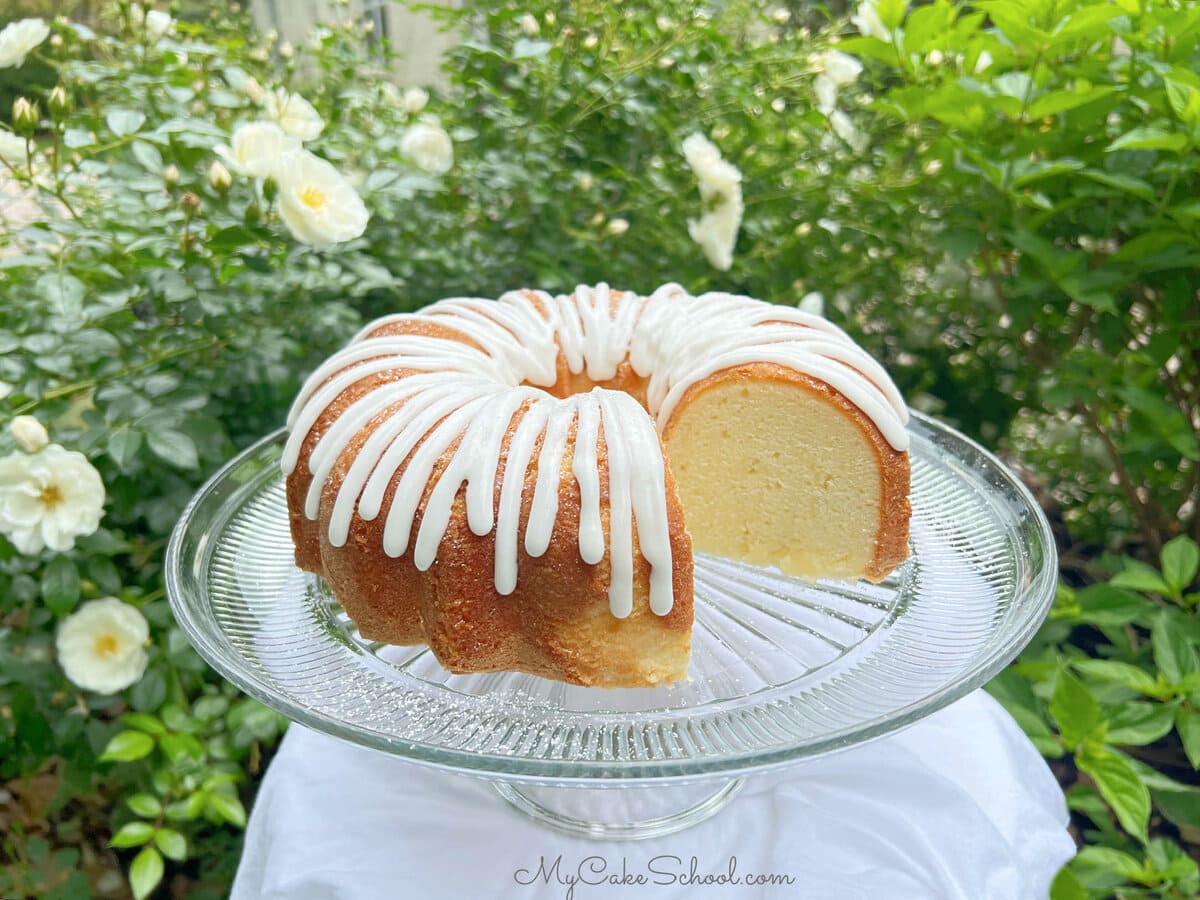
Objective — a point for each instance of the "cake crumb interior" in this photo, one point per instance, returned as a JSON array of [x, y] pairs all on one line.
[[774, 474]]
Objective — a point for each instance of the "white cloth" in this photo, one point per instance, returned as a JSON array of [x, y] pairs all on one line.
[[959, 805]]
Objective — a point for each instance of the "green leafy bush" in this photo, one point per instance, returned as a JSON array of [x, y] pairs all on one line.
[[997, 198]]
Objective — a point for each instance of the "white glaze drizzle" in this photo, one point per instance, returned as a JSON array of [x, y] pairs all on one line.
[[516, 465], [454, 400]]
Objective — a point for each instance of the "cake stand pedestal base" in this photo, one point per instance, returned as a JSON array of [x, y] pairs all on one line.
[[619, 813]]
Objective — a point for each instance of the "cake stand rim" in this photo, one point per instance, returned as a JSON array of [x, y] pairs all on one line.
[[598, 773]]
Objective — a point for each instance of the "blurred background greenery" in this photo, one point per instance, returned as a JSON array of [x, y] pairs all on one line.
[[1001, 205]]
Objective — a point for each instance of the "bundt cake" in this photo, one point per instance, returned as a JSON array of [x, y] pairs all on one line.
[[519, 483]]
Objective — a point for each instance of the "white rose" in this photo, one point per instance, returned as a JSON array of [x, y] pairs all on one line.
[[721, 191], [253, 90], [415, 99], [867, 21], [158, 23], [101, 646], [717, 232], [294, 114], [617, 227], [12, 147], [18, 39], [826, 92], [840, 68], [812, 302], [984, 60], [844, 128], [30, 434], [714, 173], [257, 149], [49, 498], [529, 25], [317, 203], [429, 146]]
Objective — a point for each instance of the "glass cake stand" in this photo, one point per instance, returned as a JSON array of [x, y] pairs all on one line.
[[782, 669]]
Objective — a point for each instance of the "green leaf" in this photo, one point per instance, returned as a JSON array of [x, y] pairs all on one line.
[[1139, 188], [172, 844], [104, 572], [180, 747], [1188, 209], [1026, 172], [209, 707], [1149, 245], [229, 808], [1173, 652], [1141, 577], [1067, 887], [1016, 85], [870, 47], [1016, 694], [1148, 138], [150, 692], [63, 292], [1060, 101], [127, 746], [1084, 22], [187, 809], [38, 850], [124, 121], [1074, 709], [132, 834], [123, 445], [146, 872], [1158, 782], [1120, 787], [176, 719], [174, 447], [1187, 723], [60, 585], [891, 12], [524, 48], [145, 805], [149, 157], [1107, 604], [1110, 860], [1185, 101], [1138, 724], [925, 28], [1180, 809], [1180, 561], [1131, 676], [1014, 22], [144, 722]]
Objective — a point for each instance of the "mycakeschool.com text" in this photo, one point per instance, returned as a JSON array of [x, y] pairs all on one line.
[[575, 877]]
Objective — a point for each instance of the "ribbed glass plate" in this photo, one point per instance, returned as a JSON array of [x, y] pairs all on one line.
[[781, 668]]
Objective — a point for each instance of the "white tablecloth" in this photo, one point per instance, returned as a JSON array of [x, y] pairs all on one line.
[[958, 806]]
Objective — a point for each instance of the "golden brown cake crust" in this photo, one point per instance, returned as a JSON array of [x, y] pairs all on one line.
[[556, 624]]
